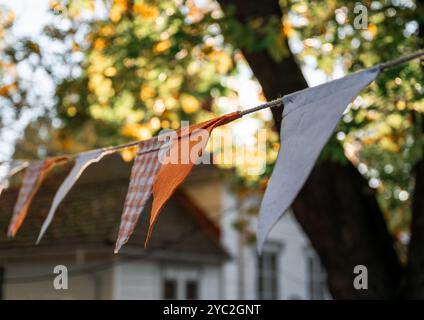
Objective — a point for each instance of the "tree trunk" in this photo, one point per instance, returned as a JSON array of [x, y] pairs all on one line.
[[415, 275], [340, 214], [336, 209], [415, 272], [276, 79]]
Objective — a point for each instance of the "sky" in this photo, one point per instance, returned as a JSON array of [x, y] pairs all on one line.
[[30, 18], [32, 15]]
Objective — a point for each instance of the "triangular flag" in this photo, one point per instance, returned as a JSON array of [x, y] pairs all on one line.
[[188, 148], [143, 172], [309, 118], [34, 176], [15, 167], [81, 163]]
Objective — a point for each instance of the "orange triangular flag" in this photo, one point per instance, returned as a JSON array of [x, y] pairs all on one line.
[[34, 176], [187, 149]]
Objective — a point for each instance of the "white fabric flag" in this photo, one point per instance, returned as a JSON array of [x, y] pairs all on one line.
[[15, 167], [309, 118], [82, 162]]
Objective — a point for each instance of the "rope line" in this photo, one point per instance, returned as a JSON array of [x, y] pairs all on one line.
[[271, 104]]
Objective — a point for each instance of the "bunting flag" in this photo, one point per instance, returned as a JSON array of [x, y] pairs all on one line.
[[188, 148], [309, 118], [34, 176], [15, 167], [143, 172], [82, 162]]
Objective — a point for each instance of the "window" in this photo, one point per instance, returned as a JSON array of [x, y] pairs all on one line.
[[316, 278], [180, 284], [2, 272], [267, 275], [191, 289], [170, 289]]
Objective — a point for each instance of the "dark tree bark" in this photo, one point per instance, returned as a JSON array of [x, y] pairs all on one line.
[[276, 79], [415, 271], [341, 216], [336, 209], [415, 275]]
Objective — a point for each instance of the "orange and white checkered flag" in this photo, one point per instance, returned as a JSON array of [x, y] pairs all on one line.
[[34, 176], [188, 146], [143, 173]]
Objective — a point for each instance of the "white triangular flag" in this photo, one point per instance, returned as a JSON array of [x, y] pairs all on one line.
[[82, 162], [15, 167], [309, 118]]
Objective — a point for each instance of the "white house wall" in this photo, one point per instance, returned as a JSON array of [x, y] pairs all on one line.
[[211, 286], [93, 285], [294, 278], [136, 280], [240, 274], [230, 241], [143, 279]]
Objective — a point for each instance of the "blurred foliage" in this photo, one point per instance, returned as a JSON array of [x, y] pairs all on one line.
[[127, 69], [381, 131], [11, 97]]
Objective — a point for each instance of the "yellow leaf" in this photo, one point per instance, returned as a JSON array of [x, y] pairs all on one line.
[[110, 72], [71, 111], [165, 124], [287, 29], [137, 131], [146, 92], [128, 154], [106, 31], [224, 62], [189, 103], [401, 105], [162, 46], [388, 144], [372, 29], [146, 11], [130, 130], [5, 90], [118, 8], [99, 44], [394, 120]]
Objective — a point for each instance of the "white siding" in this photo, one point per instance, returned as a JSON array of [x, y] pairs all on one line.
[[211, 284], [95, 285], [293, 283], [144, 279], [240, 272], [136, 280], [230, 241]]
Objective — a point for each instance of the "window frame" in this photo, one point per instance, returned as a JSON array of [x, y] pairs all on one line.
[[316, 279], [183, 276], [272, 274], [2, 281]]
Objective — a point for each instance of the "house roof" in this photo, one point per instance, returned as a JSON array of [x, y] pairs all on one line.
[[89, 218]]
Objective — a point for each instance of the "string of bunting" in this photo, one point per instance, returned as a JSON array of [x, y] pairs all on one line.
[[310, 116]]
